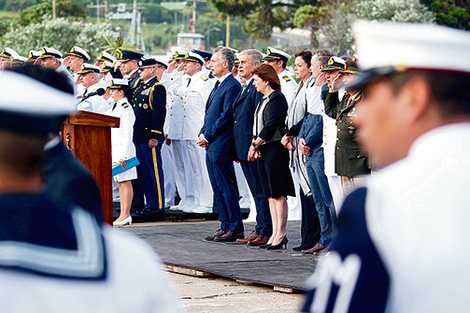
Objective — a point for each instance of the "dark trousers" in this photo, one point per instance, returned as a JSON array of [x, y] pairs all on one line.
[[310, 227], [264, 225], [322, 198], [150, 178], [223, 182]]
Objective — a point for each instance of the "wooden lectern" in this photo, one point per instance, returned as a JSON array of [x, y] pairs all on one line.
[[88, 136]]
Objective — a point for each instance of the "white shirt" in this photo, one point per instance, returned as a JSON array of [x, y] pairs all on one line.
[[135, 283], [418, 213]]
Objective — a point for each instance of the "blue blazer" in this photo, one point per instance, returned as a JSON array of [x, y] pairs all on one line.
[[218, 121], [243, 113]]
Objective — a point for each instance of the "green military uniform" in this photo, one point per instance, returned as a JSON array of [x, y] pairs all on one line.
[[349, 161]]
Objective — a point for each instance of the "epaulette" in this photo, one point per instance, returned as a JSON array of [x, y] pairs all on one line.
[[287, 78], [204, 77], [125, 105]]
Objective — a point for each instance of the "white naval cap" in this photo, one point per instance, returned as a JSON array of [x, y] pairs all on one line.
[[47, 52], [89, 68], [276, 54], [387, 47], [8, 53], [29, 106], [178, 52], [80, 53], [161, 61], [194, 57], [118, 83]]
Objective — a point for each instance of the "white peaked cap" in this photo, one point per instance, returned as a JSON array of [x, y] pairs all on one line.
[[411, 46], [25, 95]]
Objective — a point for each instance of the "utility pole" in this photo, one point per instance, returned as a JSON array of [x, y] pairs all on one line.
[[53, 10], [227, 35], [193, 29]]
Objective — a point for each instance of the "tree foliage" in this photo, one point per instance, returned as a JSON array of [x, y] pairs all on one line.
[[309, 15], [454, 13], [64, 8], [60, 34], [394, 10]]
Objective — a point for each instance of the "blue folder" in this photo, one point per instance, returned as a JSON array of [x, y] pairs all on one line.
[[118, 169]]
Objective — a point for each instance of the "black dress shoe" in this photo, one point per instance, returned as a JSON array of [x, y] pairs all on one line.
[[229, 236], [218, 233], [299, 248]]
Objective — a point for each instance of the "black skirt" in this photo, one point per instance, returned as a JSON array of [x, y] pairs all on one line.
[[274, 172]]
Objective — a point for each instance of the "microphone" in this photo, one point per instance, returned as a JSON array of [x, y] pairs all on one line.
[[97, 92]]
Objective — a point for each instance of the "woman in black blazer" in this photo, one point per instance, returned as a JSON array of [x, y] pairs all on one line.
[[271, 156]]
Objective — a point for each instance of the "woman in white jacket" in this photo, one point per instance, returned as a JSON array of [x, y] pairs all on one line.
[[122, 147]]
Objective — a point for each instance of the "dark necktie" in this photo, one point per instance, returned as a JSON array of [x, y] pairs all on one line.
[[212, 92], [189, 82]]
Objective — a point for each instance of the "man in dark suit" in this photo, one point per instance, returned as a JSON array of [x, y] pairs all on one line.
[[217, 136], [243, 113]]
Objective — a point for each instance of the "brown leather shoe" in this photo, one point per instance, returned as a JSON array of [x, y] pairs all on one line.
[[316, 248], [229, 236], [323, 251], [251, 237], [261, 240], [218, 233]]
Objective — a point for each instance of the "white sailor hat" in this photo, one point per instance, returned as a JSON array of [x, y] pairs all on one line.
[[107, 66], [119, 83], [106, 57], [47, 52], [79, 52], [161, 61], [335, 64], [178, 53], [8, 53], [33, 55], [194, 57], [276, 54], [18, 60], [29, 106], [387, 47], [89, 68]]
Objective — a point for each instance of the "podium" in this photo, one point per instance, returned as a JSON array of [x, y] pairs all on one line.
[[88, 136]]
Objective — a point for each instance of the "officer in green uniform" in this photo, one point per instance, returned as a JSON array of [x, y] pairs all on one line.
[[349, 160]]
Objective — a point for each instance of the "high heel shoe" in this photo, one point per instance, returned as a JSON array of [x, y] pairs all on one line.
[[279, 246], [127, 221], [265, 246]]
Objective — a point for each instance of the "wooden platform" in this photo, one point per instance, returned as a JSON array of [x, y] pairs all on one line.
[[183, 249]]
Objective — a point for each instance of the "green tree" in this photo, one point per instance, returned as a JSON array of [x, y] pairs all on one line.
[[454, 13], [309, 15], [64, 8], [60, 34]]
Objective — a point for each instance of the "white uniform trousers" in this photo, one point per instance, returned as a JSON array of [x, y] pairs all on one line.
[[169, 174]]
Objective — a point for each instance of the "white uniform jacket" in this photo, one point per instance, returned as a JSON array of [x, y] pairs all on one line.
[[121, 138], [94, 103], [193, 93], [288, 85]]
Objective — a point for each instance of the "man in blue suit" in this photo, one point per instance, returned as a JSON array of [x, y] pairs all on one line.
[[217, 136], [243, 112]]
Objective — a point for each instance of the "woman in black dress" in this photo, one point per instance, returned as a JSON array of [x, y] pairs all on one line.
[[272, 157]]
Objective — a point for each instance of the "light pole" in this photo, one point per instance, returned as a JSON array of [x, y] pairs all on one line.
[[153, 33], [207, 34]]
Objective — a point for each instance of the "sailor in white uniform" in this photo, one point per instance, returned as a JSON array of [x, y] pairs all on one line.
[[401, 242], [53, 257], [189, 159], [91, 99], [122, 147]]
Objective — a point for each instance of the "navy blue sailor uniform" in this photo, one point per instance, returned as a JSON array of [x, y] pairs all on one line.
[[149, 101], [352, 276]]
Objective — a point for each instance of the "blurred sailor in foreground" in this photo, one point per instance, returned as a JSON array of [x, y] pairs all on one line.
[[401, 244], [55, 256]]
